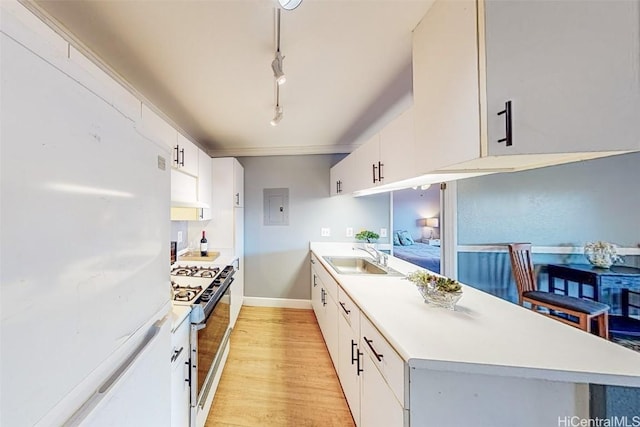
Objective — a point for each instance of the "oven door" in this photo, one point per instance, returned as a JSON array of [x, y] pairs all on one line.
[[211, 339]]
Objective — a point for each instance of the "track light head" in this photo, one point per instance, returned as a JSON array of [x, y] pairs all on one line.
[[289, 4], [276, 66], [277, 117]]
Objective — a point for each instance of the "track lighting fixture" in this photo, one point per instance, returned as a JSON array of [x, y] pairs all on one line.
[[277, 116], [289, 4], [276, 66]]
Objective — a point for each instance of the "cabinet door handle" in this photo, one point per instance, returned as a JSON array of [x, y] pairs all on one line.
[[314, 281], [375, 353], [313, 261], [375, 169], [340, 186], [177, 159], [182, 161], [507, 119], [353, 345], [323, 297], [344, 308], [237, 199], [359, 367], [380, 177]]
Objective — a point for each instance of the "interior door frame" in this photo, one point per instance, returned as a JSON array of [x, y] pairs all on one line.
[[449, 229]]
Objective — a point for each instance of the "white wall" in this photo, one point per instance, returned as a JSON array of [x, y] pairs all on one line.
[[276, 257]]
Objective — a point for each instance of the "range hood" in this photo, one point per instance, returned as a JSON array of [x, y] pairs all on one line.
[[189, 211], [185, 205]]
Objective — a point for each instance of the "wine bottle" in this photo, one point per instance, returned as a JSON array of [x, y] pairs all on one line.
[[204, 245]]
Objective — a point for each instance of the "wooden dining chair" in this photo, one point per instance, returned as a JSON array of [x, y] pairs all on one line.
[[561, 307]]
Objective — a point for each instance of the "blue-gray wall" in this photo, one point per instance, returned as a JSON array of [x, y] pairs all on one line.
[[276, 257], [559, 205]]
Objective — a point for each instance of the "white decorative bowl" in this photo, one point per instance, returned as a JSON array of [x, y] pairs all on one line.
[[432, 296]]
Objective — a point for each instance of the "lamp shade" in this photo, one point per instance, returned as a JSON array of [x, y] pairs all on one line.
[[432, 222]]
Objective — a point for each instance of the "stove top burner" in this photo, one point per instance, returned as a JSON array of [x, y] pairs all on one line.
[[183, 293], [207, 272]]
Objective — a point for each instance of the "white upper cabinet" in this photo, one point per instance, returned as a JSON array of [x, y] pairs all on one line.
[[366, 168], [186, 156], [228, 179], [397, 148], [571, 72], [504, 85], [445, 85], [204, 184], [238, 184], [387, 157], [342, 175]]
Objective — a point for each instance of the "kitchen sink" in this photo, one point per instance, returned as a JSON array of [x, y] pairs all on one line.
[[358, 265]]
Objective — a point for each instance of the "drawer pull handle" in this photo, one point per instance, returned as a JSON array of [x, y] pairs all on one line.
[[344, 308], [176, 354], [378, 355]]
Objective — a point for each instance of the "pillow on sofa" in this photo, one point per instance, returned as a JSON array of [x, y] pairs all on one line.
[[405, 238]]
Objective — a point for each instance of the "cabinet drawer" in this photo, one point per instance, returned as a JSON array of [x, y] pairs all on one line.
[[388, 362], [349, 311], [330, 284]]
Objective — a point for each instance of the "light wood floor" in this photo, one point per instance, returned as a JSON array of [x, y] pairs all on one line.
[[278, 373]]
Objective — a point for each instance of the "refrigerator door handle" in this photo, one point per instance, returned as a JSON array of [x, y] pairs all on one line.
[[78, 417]]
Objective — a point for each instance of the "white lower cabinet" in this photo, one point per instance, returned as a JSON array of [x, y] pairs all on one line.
[[382, 380], [326, 310], [372, 375], [349, 365], [180, 388], [378, 405]]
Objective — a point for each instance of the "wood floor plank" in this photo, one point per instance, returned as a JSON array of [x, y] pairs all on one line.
[[278, 373]]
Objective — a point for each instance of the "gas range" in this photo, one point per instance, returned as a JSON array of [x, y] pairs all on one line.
[[200, 287]]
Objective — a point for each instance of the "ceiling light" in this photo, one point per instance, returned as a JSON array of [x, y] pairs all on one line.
[[277, 117], [276, 66], [289, 4]]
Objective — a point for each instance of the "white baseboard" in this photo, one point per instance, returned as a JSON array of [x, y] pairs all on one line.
[[277, 302]]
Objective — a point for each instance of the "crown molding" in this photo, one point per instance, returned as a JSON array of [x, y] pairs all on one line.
[[297, 150]]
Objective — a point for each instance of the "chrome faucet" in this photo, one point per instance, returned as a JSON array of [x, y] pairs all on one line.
[[379, 257]]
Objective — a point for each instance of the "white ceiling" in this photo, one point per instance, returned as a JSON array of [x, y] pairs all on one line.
[[207, 66]]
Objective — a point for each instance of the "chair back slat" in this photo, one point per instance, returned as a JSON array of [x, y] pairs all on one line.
[[522, 267]]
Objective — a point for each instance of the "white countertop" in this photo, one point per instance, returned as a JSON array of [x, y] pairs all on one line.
[[484, 335]]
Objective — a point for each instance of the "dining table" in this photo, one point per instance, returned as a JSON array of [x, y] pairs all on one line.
[[605, 285]]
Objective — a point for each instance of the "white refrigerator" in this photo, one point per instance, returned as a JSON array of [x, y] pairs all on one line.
[[84, 254]]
